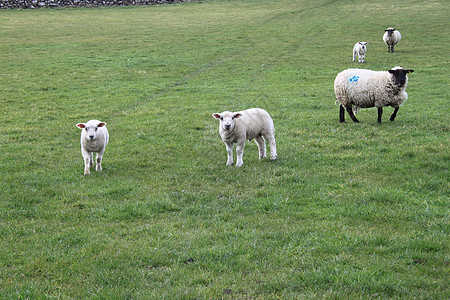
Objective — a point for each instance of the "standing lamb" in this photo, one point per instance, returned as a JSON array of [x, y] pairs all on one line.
[[94, 138], [391, 37], [238, 127], [360, 49], [367, 88]]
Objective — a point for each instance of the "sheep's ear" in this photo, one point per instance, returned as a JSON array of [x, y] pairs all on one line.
[[391, 71], [237, 115], [409, 71], [367, 43], [101, 124], [216, 116], [81, 125]]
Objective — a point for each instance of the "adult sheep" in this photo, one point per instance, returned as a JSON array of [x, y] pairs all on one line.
[[238, 127], [360, 49], [391, 37], [366, 88], [94, 138]]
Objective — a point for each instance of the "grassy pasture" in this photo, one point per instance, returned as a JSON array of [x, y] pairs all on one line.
[[347, 211]]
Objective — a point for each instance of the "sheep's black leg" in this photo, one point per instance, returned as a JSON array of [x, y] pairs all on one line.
[[350, 113], [380, 113], [341, 114], [394, 114], [392, 49]]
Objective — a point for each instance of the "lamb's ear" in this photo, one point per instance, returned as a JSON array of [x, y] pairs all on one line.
[[391, 71], [81, 125], [409, 71], [367, 43], [101, 124], [216, 116], [237, 115]]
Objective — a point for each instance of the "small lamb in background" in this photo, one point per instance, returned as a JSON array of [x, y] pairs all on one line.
[[238, 127], [391, 37], [360, 49], [94, 138]]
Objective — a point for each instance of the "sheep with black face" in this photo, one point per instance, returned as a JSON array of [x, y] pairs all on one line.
[[391, 37], [362, 88]]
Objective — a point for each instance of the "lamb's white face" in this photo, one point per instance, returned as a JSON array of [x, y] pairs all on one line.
[[90, 129], [363, 45], [227, 119]]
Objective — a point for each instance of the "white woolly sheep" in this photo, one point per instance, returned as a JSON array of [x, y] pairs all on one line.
[[94, 138], [391, 37], [238, 127], [366, 88], [360, 49]]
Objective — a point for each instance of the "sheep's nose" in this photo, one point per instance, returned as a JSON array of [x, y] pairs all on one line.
[[227, 126], [92, 137]]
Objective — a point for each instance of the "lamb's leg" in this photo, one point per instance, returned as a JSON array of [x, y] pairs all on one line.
[[341, 114], [87, 158], [98, 167], [394, 114], [392, 49], [261, 146], [240, 153], [380, 113], [229, 153], [350, 113], [273, 145]]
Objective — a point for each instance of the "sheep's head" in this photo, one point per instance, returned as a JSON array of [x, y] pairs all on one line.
[[390, 30], [399, 75], [90, 129], [363, 45], [227, 119]]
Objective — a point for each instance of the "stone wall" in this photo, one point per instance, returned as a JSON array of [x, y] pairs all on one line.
[[79, 3]]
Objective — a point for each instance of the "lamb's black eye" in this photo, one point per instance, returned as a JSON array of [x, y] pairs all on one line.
[[221, 118], [85, 128], [96, 128]]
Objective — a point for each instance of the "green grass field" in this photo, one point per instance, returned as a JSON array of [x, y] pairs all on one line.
[[347, 211]]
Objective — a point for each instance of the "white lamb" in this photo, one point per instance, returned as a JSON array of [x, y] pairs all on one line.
[[360, 49], [94, 138], [366, 88], [238, 127], [391, 37]]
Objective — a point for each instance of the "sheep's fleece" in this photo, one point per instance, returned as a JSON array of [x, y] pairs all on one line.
[[238, 127]]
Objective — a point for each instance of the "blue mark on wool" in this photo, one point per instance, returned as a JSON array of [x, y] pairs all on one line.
[[354, 78]]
